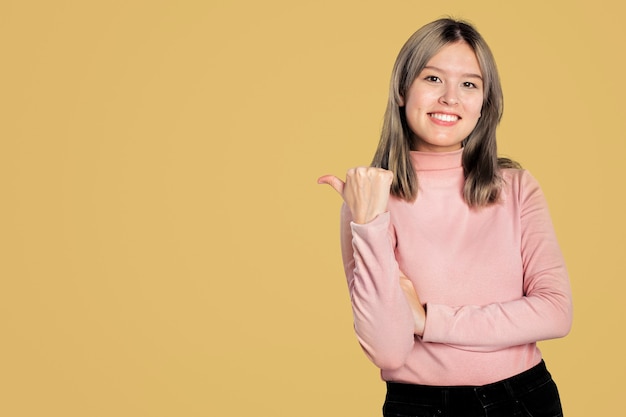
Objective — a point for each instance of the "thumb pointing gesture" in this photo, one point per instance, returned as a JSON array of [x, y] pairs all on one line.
[[365, 192], [333, 181]]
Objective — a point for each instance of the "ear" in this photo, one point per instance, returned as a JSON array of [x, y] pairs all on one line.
[[400, 101]]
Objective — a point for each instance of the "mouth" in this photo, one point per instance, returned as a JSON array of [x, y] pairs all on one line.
[[444, 117]]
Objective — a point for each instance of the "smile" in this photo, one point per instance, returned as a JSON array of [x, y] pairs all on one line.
[[444, 117]]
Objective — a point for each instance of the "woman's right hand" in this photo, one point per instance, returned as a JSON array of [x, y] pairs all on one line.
[[418, 310], [365, 191]]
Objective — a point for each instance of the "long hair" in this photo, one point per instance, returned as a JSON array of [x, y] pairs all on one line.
[[481, 164]]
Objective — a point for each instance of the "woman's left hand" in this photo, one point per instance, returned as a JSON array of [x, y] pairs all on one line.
[[419, 313]]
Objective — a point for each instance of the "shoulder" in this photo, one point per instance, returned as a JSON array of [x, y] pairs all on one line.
[[521, 186], [519, 179]]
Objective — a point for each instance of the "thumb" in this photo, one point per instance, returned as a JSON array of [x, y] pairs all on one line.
[[333, 181]]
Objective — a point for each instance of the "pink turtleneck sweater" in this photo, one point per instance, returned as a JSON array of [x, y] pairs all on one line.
[[493, 279]]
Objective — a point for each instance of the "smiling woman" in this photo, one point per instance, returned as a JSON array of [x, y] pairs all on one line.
[[443, 104], [453, 278]]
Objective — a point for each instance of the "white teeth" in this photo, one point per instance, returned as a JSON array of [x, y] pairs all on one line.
[[444, 117]]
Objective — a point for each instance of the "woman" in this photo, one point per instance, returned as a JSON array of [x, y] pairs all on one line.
[[452, 263]]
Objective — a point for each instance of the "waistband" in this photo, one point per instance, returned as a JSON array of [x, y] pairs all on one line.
[[478, 396]]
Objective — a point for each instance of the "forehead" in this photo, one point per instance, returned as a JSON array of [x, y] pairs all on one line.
[[456, 58]]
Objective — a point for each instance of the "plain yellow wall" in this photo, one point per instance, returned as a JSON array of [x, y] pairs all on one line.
[[164, 248]]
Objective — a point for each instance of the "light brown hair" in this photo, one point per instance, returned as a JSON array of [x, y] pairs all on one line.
[[481, 164]]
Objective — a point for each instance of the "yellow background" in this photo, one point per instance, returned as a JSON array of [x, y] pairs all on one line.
[[164, 248]]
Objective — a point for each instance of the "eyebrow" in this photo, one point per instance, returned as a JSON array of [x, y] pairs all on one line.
[[471, 75]]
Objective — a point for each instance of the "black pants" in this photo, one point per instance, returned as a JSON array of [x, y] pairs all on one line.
[[532, 393]]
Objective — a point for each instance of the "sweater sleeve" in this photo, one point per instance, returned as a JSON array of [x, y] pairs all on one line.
[[383, 321], [545, 310]]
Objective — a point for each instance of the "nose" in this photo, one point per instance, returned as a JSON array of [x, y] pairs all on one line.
[[449, 97]]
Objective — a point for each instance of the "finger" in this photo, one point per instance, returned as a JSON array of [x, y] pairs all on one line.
[[333, 181]]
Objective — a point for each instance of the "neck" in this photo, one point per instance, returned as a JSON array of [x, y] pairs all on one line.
[[425, 161]]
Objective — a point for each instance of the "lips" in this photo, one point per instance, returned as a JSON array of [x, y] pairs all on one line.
[[444, 117]]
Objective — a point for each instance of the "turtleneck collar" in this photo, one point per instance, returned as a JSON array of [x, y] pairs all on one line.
[[430, 161]]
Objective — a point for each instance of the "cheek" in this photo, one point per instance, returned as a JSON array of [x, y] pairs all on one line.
[[475, 107], [420, 98], [418, 105]]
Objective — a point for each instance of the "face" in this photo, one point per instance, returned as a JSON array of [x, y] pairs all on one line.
[[443, 104]]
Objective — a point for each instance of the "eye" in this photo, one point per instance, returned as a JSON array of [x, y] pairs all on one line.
[[468, 84], [432, 78]]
